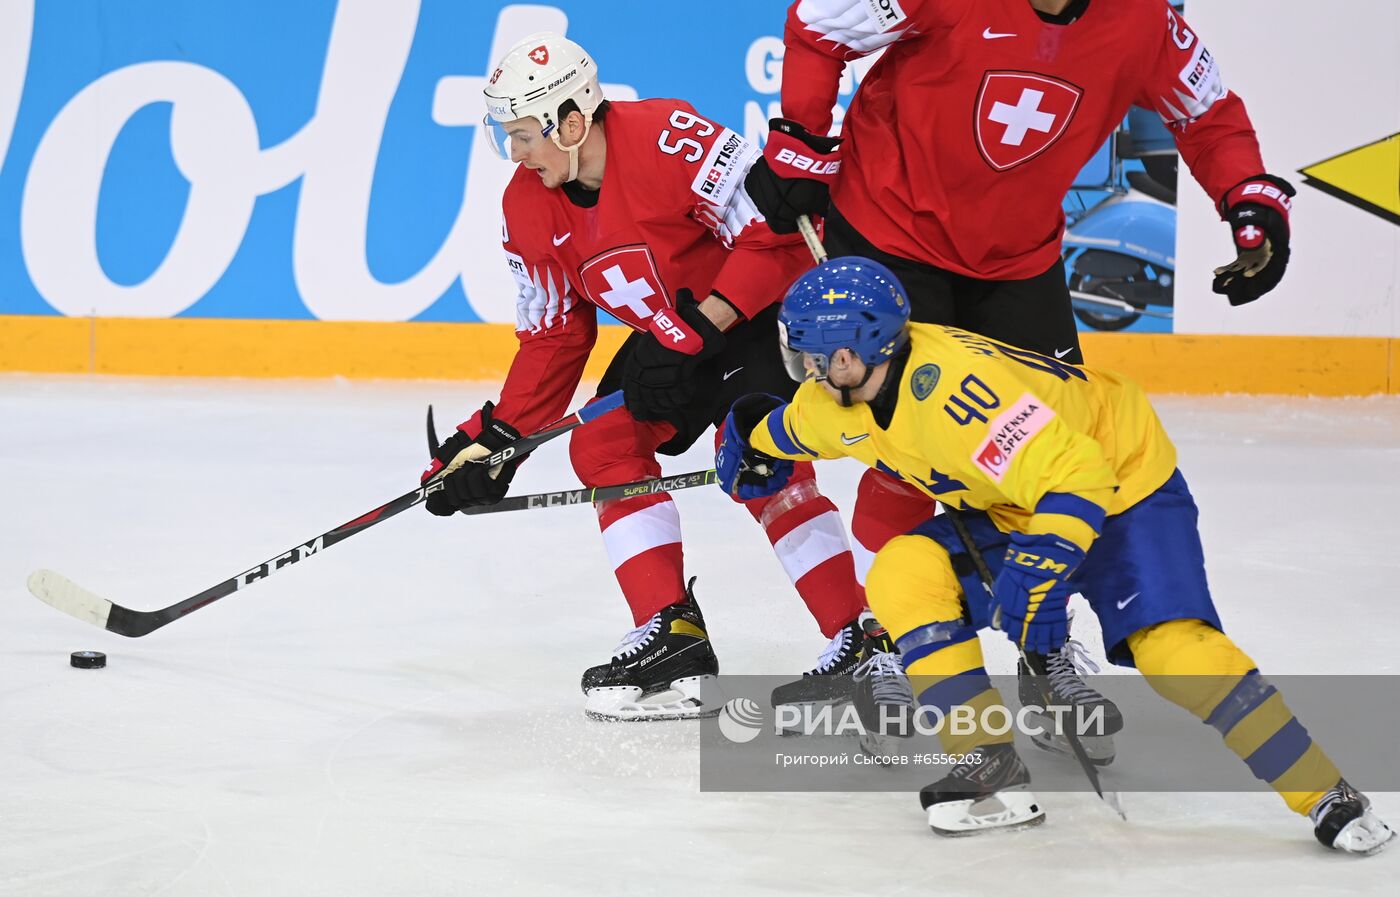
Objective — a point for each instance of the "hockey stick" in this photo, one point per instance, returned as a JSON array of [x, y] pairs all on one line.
[[599, 493], [566, 497], [1036, 664], [74, 600]]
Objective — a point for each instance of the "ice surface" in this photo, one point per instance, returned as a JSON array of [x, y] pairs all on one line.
[[401, 715]]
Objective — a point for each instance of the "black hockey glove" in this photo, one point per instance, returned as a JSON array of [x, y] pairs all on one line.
[[794, 176], [661, 375], [467, 481], [1257, 212]]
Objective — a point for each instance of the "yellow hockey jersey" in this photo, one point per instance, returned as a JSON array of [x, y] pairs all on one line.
[[1041, 445]]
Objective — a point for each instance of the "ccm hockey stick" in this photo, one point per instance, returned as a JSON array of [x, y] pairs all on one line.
[[73, 599], [1036, 664], [565, 497]]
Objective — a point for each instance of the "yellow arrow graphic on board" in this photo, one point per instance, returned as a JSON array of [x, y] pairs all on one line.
[[1368, 177]]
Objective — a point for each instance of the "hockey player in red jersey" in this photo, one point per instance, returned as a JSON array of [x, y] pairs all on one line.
[[961, 143], [639, 208]]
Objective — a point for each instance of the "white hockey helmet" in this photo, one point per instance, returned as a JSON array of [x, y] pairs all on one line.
[[535, 77]]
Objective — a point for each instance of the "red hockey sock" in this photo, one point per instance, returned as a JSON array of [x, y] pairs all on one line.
[[809, 539], [643, 539], [885, 508]]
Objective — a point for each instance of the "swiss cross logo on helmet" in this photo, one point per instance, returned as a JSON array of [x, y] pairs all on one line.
[[540, 55], [1020, 115]]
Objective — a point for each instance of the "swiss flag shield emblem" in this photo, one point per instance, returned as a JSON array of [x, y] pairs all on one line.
[[625, 282], [1020, 115], [540, 55]]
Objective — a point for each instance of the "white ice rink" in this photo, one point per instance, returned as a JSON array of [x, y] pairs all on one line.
[[401, 716]]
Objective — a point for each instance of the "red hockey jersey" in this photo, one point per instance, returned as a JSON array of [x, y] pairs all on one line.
[[964, 138], [672, 212]]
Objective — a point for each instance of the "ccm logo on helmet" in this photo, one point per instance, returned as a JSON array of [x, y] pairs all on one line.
[[807, 163]]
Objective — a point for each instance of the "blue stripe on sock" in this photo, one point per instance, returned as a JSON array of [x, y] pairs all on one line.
[[1281, 751], [1251, 691], [956, 690], [920, 643]]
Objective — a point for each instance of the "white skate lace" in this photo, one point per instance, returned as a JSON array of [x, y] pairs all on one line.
[[837, 647], [633, 641], [1065, 666], [891, 686], [1341, 791]]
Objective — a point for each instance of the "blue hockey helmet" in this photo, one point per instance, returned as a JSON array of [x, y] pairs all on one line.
[[846, 303]]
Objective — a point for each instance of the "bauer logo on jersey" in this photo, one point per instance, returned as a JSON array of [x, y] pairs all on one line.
[[1020, 115], [724, 167], [625, 282], [1009, 432]]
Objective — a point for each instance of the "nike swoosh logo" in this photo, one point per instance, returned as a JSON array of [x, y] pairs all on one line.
[[733, 372], [1129, 600], [1061, 353], [989, 34], [559, 241], [852, 440]]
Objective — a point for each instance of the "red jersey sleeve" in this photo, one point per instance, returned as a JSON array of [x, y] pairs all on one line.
[[821, 36], [710, 162], [1212, 130], [556, 330]]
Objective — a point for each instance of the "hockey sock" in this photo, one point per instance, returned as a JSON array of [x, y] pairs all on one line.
[[809, 539], [915, 594], [643, 540], [1198, 667], [885, 508]]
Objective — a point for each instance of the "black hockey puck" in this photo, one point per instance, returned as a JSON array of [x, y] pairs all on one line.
[[88, 660]]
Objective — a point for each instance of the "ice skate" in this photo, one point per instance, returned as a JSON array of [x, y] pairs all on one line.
[[828, 681], [991, 790], [1067, 689], [1342, 820], [884, 697], [663, 669]]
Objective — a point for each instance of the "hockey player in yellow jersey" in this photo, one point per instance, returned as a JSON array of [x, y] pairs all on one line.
[[1068, 483]]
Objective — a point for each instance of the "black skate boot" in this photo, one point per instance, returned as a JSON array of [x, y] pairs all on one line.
[[664, 669], [1100, 716], [1343, 820], [830, 681], [991, 790], [883, 696]]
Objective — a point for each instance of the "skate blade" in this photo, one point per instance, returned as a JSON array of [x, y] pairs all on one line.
[[1098, 748], [1003, 811], [1364, 836], [693, 697], [881, 748]]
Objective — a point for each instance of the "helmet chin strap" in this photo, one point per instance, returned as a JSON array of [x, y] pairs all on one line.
[[846, 401], [573, 150]]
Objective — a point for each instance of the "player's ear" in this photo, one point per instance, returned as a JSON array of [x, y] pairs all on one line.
[[572, 127]]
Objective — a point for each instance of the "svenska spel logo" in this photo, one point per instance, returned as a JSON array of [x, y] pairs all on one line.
[[740, 720]]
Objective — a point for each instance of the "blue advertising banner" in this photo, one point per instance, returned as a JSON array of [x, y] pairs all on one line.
[[324, 160]]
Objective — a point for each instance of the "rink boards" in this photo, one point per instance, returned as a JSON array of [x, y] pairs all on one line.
[[201, 347]]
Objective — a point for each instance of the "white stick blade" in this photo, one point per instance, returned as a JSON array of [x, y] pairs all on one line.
[[69, 597]]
